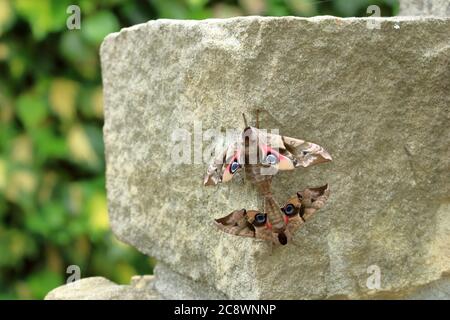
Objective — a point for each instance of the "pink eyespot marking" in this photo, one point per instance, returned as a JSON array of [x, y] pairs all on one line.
[[232, 167], [275, 158]]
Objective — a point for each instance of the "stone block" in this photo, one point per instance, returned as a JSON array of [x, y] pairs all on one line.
[[376, 98]]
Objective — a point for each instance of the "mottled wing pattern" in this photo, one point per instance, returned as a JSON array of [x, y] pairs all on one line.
[[242, 223], [219, 165], [279, 152], [291, 209], [313, 199], [236, 223], [272, 152], [297, 210], [301, 152], [262, 230], [304, 205]]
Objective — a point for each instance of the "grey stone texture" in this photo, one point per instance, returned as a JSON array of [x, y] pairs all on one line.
[[425, 8], [99, 288], [376, 99]]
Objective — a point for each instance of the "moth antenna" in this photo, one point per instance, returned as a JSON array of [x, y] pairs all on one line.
[[245, 120]]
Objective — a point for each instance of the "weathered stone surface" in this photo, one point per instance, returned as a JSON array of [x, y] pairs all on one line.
[[425, 8], [99, 288], [436, 290], [376, 99], [176, 286]]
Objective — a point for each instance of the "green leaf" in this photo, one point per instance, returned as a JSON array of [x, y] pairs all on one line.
[[91, 102], [304, 8], [95, 28], [17, 66], [7, 15], [49, 145], [79, 54], [350, 8], [41, 282], [48, 222], [73, 47], [134, 12], [276, 8], [171, 9], [31, 110], [43, 16], [15, 246]]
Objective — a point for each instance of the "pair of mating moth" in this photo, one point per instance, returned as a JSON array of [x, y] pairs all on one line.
[[261, 155]]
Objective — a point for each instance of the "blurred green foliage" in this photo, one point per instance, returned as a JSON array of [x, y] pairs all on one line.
[[53, 210]]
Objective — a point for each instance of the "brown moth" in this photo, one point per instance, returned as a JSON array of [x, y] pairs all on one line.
[[246, 223], [303, 205], [296, 211], [261, 155]]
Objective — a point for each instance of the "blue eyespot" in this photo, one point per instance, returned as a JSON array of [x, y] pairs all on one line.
[[289, 209], [234, 166], [271, 158], [260, 218]]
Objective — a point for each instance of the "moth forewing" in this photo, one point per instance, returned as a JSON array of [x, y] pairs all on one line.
[[235, 223], [242, 223], [313, 199], [214, 172], [294, 224], [292, 209], [261, 228], [212, 176], [273, 144], [264, 233], [306, 153], [233, 164]]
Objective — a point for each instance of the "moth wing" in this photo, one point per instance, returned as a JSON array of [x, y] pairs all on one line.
[[264, 233], [234, 154], [294, 224], [275, 140], [305, 153], [213, 173], [293, 221], [236, 223], [273, 144], [322, 192], [313, 199], [216, 171]]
